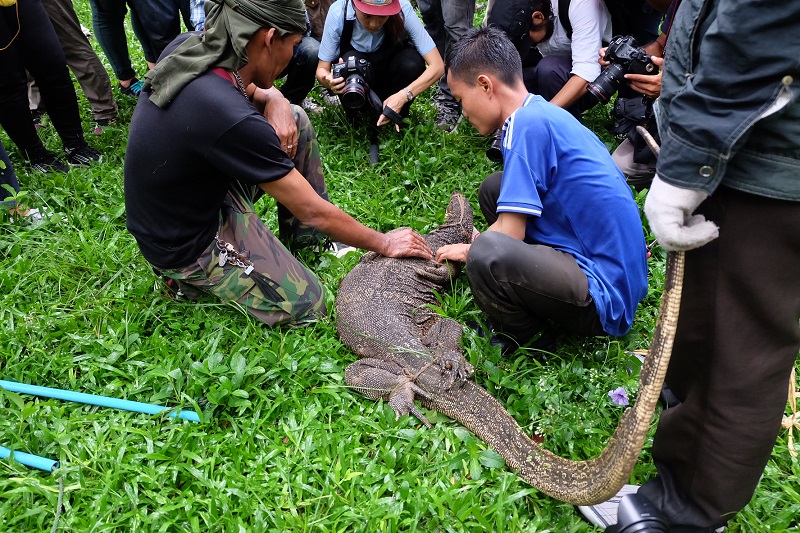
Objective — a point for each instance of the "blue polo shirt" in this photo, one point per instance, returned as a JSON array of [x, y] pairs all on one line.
[[558, 173]]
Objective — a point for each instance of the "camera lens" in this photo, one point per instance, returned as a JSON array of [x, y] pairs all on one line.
[[607, 83], [354, 95], [495, 150]]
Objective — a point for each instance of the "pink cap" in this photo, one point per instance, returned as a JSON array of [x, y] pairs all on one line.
[[379, 8]]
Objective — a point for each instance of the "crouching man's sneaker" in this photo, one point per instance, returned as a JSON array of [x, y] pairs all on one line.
[[133, 90], [339, 249], [311, 107], [447, 117], [83, 156]]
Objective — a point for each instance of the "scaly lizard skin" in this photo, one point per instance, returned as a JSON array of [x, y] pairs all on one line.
[[408, 352]]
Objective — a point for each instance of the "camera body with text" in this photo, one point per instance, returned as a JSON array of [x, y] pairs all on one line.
[[355, 70], [626, 57]]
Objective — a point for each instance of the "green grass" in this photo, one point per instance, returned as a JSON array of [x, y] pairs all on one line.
[[284, 445]]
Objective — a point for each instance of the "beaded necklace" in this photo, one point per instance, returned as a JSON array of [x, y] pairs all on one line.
[[239, 82]]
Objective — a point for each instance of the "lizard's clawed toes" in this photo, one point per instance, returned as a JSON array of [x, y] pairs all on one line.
[[401, 400], [456, 367]]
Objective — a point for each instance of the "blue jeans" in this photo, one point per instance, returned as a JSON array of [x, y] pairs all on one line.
[[301, 71], [108, 21], [7, 177], [155, 24], [161, 21]]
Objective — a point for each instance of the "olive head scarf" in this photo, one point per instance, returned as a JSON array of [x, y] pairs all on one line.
[[229, 26]]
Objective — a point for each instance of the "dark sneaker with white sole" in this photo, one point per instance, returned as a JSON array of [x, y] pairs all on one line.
[[338, 249], [447, 117], [83, 156], [46, 162]]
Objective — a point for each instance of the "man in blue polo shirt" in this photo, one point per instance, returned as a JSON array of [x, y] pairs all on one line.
[[565, 245]]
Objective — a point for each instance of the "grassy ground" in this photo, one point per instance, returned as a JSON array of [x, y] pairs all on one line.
[[283, 445]]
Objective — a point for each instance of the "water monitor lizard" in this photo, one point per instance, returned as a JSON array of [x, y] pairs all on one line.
[[407, 352]]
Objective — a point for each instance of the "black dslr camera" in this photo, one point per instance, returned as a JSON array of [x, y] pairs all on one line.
[[626, 58], [637, 514], [355, 70]]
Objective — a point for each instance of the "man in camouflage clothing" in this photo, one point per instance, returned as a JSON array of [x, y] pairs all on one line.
[[206, 141]]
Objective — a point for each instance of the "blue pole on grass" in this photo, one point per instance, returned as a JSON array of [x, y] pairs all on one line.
[[94, 399], [34, 461]]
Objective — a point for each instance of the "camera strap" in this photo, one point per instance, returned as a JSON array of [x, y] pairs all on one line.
[[395, 117]]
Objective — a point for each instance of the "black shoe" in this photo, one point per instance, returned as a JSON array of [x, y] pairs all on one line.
[[506, 344], [83, 156], [544, 341], [667, 398], [46, 162], [338, 249]]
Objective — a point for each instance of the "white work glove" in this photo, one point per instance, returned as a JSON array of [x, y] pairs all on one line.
[[669, 210]]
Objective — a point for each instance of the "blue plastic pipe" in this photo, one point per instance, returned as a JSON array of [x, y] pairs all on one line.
[[34, 461], [94, 399]]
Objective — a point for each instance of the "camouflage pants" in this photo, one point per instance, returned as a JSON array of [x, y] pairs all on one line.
[[247, 264]]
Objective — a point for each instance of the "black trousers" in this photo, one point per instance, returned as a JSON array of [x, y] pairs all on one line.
[[522, 287], [37, 49], [737, 341]]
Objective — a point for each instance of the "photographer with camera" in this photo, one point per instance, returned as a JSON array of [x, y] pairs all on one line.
[[557, 62], [640, 68], [567, 47], [624, 61], [558, 41], [201, 153], [384, 49]]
